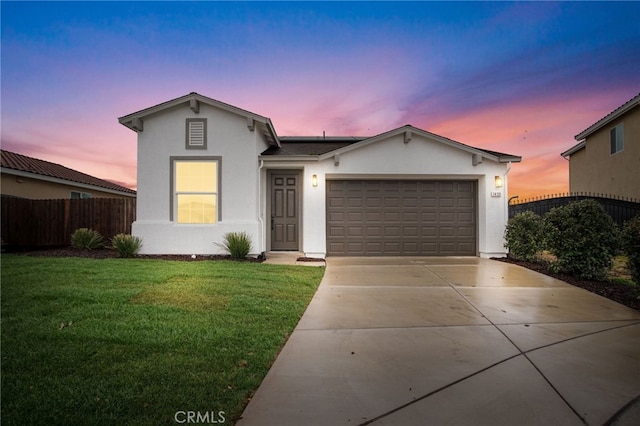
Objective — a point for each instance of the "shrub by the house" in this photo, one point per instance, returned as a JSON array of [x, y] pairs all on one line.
[[87, 239], [237, 244], [631, 246], [523, 236], [127, 245], [583, 237]]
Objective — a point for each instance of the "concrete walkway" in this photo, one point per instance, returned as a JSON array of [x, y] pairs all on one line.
[[452, 341]]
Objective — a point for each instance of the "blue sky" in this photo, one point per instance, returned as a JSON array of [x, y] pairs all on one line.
[[521, 78]]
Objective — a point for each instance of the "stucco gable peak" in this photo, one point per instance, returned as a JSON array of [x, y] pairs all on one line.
[[135, 121], [409, 132]]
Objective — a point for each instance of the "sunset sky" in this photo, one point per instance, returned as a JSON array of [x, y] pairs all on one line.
[[521, 78]]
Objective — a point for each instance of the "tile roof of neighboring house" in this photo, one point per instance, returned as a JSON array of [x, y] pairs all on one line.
[[622, 109], [22, 163]]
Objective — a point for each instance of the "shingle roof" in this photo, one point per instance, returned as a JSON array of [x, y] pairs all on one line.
[[19, 162], [310, 145], [314, 146]]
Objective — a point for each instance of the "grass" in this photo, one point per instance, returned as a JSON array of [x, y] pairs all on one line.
[[133, 341]]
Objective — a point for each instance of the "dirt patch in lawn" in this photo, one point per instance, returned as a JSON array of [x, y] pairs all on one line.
[[618, 292]]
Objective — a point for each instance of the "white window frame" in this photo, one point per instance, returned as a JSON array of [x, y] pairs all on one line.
[[616, 139], [173, 210]]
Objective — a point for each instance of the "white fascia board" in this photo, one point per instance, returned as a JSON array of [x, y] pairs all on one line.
[[289, 158], [127, 120], [64, 182], [415, 130], [400, 176]]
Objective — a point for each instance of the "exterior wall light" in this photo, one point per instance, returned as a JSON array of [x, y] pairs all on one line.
[[314, 180], [498, 182]]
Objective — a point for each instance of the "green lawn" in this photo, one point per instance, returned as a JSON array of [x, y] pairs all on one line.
[[134, 341]]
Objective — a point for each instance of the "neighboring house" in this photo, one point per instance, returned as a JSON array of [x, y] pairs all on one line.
[[31, 178], [206, 168], [606, 159]]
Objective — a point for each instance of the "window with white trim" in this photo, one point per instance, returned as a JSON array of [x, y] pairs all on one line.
[[196, 133], [196, 190], [617, 139]]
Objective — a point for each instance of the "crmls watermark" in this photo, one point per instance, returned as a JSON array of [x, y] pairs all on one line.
[[208, 417]]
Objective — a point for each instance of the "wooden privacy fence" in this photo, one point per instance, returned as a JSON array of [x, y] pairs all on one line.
[[620, 209], [50, 223]]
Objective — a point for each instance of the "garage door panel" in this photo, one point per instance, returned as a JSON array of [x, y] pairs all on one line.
[[464, 203], [377, 217], [391, 217], [429, 231], [373, 231], [465, 217], [335, 216], [373, 216], [430, 202], [391, 231], [391, 202], [355, 216], [354, 231], [354, 202], [466, 231], [447, 217], [336, 231], [409, 231], [373, 202], [335, 202], [447, 202], [408, 217]]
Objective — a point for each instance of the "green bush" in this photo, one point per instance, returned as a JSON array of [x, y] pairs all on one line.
[[583, 237], [86, 239], [523, 236], [237, 244], [127, 245], [631, 246]]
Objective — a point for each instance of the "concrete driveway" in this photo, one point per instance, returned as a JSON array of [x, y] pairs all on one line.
[[452, 341]]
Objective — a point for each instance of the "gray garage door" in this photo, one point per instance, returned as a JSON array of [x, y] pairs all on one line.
[[401, 218]]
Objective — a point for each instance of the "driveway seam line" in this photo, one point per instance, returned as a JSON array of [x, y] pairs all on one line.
[[435, 391], [515, 346]]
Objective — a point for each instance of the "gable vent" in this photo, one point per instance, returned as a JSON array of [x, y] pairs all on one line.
[[196, 133]]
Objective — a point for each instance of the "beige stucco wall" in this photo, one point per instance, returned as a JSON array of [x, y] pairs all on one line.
[[35, 189], [593, 169]]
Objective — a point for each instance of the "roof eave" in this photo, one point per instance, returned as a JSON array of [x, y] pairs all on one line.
[[289, 158], [633, 103], [73, 183], [509, 159], [133, 121], [577, 147], [424, 133]]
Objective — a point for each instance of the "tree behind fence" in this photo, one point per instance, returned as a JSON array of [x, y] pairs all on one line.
[[620, 209], [50, 223]]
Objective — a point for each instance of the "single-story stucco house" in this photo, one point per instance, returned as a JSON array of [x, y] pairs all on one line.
[[206, 168]]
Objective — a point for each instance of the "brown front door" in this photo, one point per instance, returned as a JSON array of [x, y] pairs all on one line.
[[284, 211]]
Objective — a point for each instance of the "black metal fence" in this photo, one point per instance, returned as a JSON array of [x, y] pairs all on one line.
[[619, 208]]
